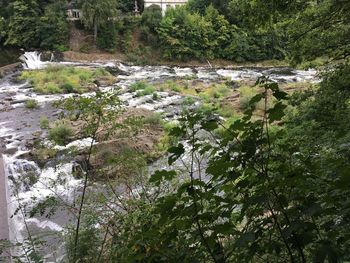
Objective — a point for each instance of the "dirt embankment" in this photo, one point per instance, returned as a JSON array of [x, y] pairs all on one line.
[[76, 56], [99, 56], [9, 68]]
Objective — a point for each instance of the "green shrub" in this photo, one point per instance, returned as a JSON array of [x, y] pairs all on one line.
[[188, 101], [85, 48], [153, 119], [155, 96], [101, 72], [61, 133], [140, 85], [60, 48], [44, 122], [226, 110], [51, 88], [60, 79], [68, 87], [31, 104], [172, 85], [107, 37], [245, 95], [147, 91]]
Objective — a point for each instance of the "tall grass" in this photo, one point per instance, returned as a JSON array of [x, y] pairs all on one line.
[[61, 79]]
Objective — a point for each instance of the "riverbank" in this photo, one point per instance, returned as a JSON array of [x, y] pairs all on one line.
[[74, 56], [9, 68], [9, 56], [7, 65]]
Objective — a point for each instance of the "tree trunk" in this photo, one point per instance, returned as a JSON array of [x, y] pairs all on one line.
[[95, 33]]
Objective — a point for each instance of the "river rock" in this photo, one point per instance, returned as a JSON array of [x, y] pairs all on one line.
[[6, 106], [115, 71], [10, 151]]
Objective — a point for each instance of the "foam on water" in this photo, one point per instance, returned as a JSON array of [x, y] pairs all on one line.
[[59, 181], [32, 60]]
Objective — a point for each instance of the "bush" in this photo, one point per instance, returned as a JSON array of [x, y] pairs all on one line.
[[107, 37], [245, 95], [61, 133], [147, 91], [44, 122], [68, 87], [85, 48], [60, 79], [226, 110], [155, 96], [151, 17], [138, 86], [60, 48], [31, 104], [153, 119]]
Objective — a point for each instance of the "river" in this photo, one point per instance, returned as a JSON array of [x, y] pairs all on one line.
[[19, 126]]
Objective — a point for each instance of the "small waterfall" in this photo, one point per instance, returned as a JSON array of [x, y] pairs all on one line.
[[32, 60]]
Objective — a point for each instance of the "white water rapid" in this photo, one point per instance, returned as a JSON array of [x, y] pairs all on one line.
[[30, 184], [32, 60]]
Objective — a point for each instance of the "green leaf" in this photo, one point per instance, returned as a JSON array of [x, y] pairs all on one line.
[[245, 239], [175, 153], [158, 176], [176, 132], [237, 125], [325, 251], [256, 99], [277, 112], [210, 125], [280, 95]]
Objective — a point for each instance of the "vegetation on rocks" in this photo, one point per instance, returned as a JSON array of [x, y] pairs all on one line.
[[61, 132], [31, 104], [60, 79], [252, 173]]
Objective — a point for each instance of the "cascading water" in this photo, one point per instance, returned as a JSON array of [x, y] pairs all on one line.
[[32, 60], [30, 184]]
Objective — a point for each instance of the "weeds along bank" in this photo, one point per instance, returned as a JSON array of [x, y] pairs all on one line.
[[126, 128]]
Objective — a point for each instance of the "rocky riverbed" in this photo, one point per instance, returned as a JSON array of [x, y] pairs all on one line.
[[19, 129]]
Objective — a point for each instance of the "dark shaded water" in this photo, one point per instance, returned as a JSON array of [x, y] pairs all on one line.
[[9, 56]]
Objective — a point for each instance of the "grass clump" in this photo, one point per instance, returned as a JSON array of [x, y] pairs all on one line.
[[31, 104], [138, 86], [245, 95], [143, 89], [155, 96], [61, 133], [44, 122], [226, 110], [147, 91], [153, 119], [61, 79]]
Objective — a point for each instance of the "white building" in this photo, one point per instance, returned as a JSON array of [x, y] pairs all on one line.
[[73, 13], [165, 4]]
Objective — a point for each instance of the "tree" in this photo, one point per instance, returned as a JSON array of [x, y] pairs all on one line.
[[151, 17], [22, 28], [322, 25], [96, 14], [53, 27]]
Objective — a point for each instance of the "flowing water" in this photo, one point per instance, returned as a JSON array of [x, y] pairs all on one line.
[[29, 184]]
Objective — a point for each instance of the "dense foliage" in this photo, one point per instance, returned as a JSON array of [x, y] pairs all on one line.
[[185, 34], [270, 186], [34, 24]]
